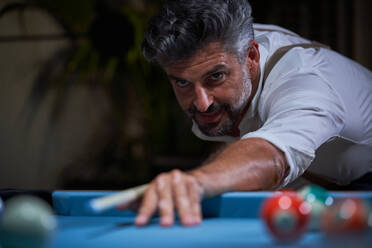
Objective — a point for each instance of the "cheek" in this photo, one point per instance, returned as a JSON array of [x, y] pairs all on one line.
[[223, 95], [237, 88], [228, 93]]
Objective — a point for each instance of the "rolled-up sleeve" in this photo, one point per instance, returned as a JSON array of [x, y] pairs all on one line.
[[298, 116]]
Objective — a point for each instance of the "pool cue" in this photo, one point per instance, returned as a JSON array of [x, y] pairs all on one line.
[[107, 202]]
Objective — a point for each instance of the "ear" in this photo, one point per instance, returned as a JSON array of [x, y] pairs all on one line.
[[252, 60]]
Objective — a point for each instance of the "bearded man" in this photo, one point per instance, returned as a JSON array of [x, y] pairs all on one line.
[[272, 96]]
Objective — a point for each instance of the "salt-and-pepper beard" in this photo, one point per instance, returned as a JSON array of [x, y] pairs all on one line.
[[233, 112]]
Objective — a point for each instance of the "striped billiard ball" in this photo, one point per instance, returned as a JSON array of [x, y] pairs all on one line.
[[346, 215], [285, 215]]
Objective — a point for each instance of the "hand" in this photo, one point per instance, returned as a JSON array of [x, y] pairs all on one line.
[[168, 192]]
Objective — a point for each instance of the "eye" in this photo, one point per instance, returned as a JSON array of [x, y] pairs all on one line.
[[182, 83], [216, 76]]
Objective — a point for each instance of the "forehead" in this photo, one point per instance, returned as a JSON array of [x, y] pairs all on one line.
[[203, 60]]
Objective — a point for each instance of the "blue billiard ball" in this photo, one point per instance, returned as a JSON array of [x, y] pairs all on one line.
[[27, 222]]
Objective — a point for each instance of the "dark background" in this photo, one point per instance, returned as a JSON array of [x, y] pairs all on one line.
[[81, 109]]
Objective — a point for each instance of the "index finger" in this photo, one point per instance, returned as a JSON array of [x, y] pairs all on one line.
[[148, 206]]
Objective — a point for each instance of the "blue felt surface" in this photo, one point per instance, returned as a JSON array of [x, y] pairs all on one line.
[[230, 220], [99, 232]]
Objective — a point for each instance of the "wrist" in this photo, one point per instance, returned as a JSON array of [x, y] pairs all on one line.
[[208, 186], [200, 178]]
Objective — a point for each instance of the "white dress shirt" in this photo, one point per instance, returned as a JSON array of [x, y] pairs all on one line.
[[310, 97]]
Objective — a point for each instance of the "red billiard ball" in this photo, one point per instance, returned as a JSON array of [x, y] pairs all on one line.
[[345, 216], [286, 215]]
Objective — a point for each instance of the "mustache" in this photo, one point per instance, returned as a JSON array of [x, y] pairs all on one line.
[[213, 108]]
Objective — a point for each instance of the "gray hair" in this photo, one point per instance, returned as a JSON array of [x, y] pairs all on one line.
[[184, 26]]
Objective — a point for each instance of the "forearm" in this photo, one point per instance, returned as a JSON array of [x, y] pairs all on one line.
[[245, 165], [251, 164]]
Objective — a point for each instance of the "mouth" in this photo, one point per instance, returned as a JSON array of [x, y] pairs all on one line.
[[208, 118]]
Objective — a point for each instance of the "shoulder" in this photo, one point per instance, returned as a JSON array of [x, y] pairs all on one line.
[[300, 92], [272, 37], [261, 29]]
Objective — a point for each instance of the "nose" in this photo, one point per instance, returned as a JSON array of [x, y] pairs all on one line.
[[202, 99]]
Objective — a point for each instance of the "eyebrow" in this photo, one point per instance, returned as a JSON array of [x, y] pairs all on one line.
[[215, 69], [211, 71]]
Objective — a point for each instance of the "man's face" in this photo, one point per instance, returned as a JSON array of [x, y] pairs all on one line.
[[212, 87]]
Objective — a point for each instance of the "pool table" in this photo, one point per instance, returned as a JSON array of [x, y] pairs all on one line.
[[230, 220]]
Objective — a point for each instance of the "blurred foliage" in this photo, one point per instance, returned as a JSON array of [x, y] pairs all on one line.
[[105, 39], [145, 121]]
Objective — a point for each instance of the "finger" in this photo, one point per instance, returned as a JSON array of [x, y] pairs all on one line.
[[181, 199], [148, 206], [194, 196], [165, 204]]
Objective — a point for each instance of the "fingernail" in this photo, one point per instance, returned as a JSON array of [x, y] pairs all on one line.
[[197, 220], [166, 221], [194, 220], [189, 220], [140, 220]]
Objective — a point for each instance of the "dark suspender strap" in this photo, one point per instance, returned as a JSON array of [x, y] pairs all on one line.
[[272, 61], [278, 54]]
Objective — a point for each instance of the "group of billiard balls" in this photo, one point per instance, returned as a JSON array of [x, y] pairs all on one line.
[[26, 221], [289, 214]]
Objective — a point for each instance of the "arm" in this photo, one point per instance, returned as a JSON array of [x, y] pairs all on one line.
[[249, 164], [297, 123]]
